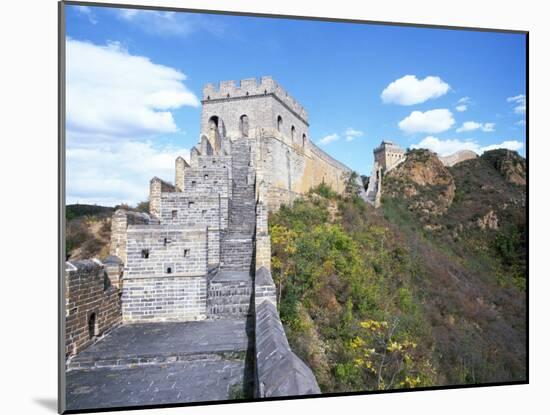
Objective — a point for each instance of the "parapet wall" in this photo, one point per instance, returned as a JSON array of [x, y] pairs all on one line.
[[164, 299], [165, 251], [279, 372], [193, 211], [291, 171], [207, 181], [119, 223], [156, 188], [166, 276], [262, 241], [92, 304]]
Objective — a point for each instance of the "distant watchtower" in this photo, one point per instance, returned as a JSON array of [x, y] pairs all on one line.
[[250, 108], [388, 155]]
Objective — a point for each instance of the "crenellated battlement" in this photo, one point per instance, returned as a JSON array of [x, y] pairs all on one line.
[[252, 87]]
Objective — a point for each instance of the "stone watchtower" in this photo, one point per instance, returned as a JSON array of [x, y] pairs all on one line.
[[245, 109], [276, 127], [388, 155]]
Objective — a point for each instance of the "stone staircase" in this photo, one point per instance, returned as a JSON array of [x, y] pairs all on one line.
[[229, 291], [229, 294], [237, 243]]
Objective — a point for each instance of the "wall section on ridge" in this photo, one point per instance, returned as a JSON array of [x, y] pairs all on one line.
[[292, 170]]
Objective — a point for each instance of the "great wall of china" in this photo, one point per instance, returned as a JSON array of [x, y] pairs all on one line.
[[196, 271]]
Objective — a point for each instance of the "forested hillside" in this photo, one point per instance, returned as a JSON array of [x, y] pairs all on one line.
[[427, 290]]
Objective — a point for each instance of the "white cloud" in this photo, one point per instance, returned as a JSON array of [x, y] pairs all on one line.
[[351, 134], [129, 14], [410, 90], [113, 93], [119, 172], [329, 139], [167, 23], [461, 104], [445, 147], [116, 104], [87, 12], [487, 127], [510, 145], [520, 102], [136, 14], [433, 121], [521, 123]]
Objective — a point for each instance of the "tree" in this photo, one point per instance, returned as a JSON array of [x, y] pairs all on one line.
[[283, 246], [389, 361], [352, 188]]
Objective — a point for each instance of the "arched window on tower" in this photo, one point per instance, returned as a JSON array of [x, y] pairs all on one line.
[[243, 125], [279, 123], [292, 134], [304, 138], [213, 123]]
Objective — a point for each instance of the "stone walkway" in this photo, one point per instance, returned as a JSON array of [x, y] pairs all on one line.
[[155, 363], [178, 382]]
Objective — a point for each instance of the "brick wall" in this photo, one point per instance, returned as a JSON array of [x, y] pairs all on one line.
[[262, 238], [114, 269], [119, 223], [164, 299], [291, 171], [181, 166], [214, 238], [156, 188], [193, 211], [207, 181], [156, 250], [170, 284], [92, 304]]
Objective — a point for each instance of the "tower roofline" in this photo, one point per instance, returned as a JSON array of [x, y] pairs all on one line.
[[252, 87]]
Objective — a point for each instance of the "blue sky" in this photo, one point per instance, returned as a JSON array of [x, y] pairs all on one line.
[[135, 78]]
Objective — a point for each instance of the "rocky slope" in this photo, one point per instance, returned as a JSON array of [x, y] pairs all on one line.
[[88, 231], [423, 181], [486, 192], [475, 249], [510, 164], [439, 269]]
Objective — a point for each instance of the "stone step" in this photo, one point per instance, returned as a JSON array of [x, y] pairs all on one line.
[[219, 291], [237, 245], [228, 311], [162, 343], [229, 295], [155, 359]]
